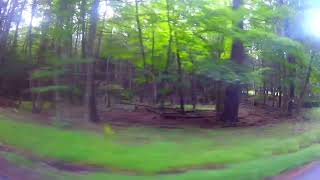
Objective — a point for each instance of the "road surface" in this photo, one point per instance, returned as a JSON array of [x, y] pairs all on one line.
[[310, 173], [9, 171]]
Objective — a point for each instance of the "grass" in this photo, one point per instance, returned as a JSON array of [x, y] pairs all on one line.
[[250, 153], [252, 170]]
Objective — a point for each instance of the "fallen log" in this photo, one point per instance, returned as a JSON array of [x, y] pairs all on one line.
[[179, 115], [186, 116]]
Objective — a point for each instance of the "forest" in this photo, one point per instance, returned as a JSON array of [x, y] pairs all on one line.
[[158, 89]]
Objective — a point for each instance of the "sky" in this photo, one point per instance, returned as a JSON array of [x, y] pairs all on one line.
[[311, 20], [26, 15]]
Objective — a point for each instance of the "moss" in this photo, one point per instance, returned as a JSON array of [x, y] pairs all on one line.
[[27, 106]]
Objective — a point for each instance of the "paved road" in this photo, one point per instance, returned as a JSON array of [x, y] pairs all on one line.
[[310, 173], [9, 171]]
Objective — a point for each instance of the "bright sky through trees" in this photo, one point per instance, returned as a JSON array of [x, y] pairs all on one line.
[[312, 22], [103, 7]]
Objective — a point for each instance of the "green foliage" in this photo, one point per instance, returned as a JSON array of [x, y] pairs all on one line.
[[257, 76], [127, 95], [108, 131], [45, 73], [53, 88], [202, 31], [27, 105]]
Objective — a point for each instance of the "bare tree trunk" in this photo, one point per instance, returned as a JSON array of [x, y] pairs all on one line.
[[265, 93], [154, 75], [305, 85], [83, 28], [273, 96], [193, 91], [220, 98], [180, 78], [232, 96], [91, 114], [57, 79], [291, 60], [280, 97], [29, 55], [169, 52], [142, 50]]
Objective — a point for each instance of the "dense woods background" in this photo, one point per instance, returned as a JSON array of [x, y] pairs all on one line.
[[97, 53]]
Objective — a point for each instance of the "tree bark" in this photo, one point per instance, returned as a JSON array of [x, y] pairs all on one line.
[[180, 78], [305, 85], [232, 94], [165, 73], [92, 114], [153, 70], [83, 28], [280, 97], [142, 50], [220, 99], [193, 89]]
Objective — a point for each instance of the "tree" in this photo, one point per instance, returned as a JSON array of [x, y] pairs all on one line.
[[232, 96], [90, 84]]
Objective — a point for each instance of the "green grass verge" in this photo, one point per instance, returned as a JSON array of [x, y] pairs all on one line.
[[150, 151], [252, 170]]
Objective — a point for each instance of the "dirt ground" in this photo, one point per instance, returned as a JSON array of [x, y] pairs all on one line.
[[248, 116]]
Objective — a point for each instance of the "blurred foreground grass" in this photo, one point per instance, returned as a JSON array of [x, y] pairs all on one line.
[[247, 153]]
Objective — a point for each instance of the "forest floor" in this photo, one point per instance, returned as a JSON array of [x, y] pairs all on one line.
[[31, 145], [122, 117]]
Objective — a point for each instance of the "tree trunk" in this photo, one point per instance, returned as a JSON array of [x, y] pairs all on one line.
[[91, 114], [220, 99], [142, 50], [180, 78], [231, 103], [265, 93], [193, 91], [83, 28], [305, 85], [291, 60], [154, 73], [280, 97], [232, 95], [165, 73]]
